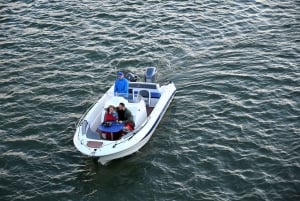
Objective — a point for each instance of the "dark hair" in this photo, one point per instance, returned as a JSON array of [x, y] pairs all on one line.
[[107, 109], [122, 104]]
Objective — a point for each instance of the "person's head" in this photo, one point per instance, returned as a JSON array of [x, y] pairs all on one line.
[[121, 106], [111, 109], [120, 74]]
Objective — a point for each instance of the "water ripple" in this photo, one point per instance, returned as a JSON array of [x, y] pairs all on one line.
[[232, 132]]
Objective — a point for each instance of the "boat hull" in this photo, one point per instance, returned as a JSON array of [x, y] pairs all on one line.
[[106, 151]]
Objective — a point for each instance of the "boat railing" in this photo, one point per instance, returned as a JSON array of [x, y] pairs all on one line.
[[130, 97]]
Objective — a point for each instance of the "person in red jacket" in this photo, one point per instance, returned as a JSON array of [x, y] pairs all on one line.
[[111, 114]]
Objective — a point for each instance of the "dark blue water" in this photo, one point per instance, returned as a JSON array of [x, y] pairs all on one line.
[[231, 133]]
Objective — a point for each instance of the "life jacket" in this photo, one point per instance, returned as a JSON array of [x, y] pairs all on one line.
[[110, 117]]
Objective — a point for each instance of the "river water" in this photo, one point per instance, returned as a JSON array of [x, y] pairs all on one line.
[[231, 133]]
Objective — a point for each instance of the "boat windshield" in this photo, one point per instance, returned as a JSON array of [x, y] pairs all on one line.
[[130, 98]]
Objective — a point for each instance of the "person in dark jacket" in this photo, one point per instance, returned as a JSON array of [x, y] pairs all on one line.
[[121, 85], [125, 117]]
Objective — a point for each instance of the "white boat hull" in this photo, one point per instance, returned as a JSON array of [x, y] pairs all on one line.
[[107, 150]]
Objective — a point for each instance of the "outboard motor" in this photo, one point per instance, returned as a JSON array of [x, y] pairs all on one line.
[[131, 77], [150, 74]]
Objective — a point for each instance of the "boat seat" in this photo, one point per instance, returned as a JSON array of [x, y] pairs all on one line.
[[146, 94]]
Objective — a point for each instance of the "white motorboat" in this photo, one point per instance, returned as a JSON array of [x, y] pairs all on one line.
[[147, 101]]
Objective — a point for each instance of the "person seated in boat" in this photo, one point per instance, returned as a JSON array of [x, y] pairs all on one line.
[[125, 117], [121, 85], [111, 114]]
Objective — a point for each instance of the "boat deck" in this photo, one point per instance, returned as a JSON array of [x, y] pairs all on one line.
[[149, 110]]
